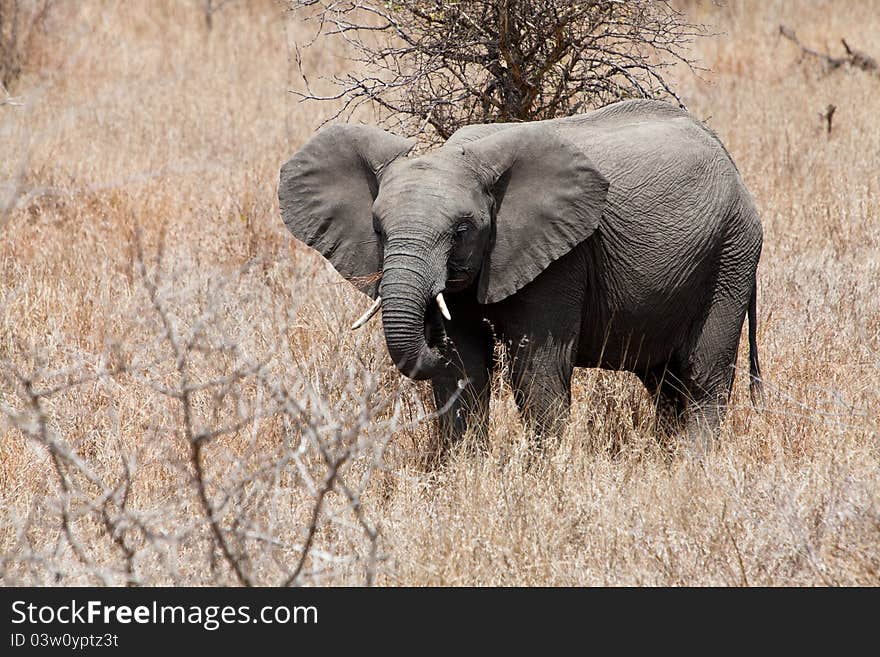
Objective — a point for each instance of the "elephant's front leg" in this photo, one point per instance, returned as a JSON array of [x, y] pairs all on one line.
[[541, 380], [463, 390]]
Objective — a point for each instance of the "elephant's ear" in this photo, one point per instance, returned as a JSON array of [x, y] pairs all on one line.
[[326, 193], [549, 197]]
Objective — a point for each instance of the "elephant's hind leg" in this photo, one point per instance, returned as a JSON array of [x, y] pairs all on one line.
[[712, 367]]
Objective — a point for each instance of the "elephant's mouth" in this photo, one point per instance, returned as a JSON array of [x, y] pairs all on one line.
[[435, 333]]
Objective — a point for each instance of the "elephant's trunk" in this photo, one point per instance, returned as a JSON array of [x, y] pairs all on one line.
[[410, 281]]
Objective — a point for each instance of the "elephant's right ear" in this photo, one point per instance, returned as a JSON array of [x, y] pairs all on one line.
[[326, 193], [549, 198]]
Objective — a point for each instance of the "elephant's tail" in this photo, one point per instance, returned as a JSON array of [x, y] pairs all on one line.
[[756, 384]]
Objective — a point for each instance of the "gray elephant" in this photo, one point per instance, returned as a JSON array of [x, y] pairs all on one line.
[[622, 238]]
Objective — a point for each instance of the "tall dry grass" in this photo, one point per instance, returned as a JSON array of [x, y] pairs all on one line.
[[142, 255]]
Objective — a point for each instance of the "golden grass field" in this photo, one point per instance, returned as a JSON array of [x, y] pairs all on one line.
[[172, 363]]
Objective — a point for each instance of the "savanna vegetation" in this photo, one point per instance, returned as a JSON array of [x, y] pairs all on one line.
[[181, 400]]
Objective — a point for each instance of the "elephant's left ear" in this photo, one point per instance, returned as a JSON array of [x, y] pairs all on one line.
[[549, 198]]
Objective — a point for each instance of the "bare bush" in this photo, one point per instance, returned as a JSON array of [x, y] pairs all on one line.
[[448, 64], [240, 448]]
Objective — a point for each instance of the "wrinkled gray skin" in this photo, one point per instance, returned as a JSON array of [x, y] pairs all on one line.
[[622, 238]]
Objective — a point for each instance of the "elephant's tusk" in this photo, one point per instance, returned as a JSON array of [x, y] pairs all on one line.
[[366, 316], [443, 309]]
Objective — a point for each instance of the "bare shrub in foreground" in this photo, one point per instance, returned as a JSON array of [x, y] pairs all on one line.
[[448, 64], [239, 446]]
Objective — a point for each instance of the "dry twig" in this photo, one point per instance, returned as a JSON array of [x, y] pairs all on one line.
[[853, 58]]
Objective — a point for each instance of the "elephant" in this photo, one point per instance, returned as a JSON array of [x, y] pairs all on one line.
[[622, 238]]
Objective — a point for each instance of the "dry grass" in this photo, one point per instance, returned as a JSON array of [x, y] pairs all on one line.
[[137, 118]]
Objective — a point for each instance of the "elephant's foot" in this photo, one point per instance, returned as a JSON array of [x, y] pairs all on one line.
[[702, 427]]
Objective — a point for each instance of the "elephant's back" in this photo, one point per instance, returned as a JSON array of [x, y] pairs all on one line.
[[672, 183], [634, 143], [648, 148]]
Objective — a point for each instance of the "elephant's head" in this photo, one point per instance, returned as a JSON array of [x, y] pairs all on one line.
[[490, 212]]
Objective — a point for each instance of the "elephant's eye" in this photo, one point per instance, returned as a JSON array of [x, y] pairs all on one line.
[[462, 229]]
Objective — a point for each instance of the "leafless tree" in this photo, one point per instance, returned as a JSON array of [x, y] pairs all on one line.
[[446, 64]]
